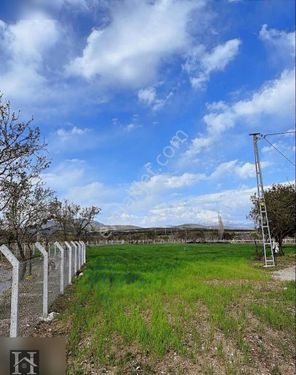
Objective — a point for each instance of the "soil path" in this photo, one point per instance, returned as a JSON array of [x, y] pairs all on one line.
[[287, 274]]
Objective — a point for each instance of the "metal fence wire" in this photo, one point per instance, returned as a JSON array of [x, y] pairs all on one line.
[[66, 266], [29, 288], [5, 297], [30, 294], [54, 264], [74, 254]]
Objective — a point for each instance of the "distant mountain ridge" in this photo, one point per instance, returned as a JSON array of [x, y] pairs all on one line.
[[97, 226]]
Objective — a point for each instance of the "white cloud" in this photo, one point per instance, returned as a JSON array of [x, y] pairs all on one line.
[[148, 96], [237, 168], [68, 173], [75, 131], [25, 40], [280, 43], [132, 126], [233, 204], [93, 193], [78, 3], [73, 139], [162, 182], [72, 180], [145, 204], [201, 64], [58, 4], [246, 170], [272, 105], [23, 46], [131, 48]]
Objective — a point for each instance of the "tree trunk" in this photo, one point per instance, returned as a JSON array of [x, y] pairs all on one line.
[[30, 257], [259, 252], [21, 250], [280, 242]]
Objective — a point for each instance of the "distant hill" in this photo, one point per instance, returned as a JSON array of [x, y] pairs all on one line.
[[191, 226], [97, 226]]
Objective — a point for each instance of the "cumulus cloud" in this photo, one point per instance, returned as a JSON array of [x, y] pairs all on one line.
[[93, 193], [69, 133], [132, 126], [237, 168], [162, 182], [82, 5], [233, 204], [68, 140], [23, 46], [148, 96], [280, 43], [274, 102], [144, 199], [68, 173], [129, 50], [72, 180], [200, 64]]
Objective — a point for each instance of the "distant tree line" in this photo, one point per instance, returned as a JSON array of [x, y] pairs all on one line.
[[27, 205]]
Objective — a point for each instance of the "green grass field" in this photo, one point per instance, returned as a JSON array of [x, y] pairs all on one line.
[[178, 309]]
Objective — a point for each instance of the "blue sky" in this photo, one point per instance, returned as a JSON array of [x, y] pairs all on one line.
[[147, 105]]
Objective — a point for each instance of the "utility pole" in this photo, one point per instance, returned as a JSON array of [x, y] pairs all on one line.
[[264, 223]]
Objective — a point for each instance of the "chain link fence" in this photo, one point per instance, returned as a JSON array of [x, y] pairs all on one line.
[[54, 265], [66, 266], [28, 288], [5, 296], [30, 294]]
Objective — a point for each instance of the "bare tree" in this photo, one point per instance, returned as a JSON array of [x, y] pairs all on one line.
[[83, 220], [21, 151], [26, 212], [220, 227], [25, 204], [72, 219]]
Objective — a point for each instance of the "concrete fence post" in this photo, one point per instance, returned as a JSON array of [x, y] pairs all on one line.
[[45, 278], [62, 268], [69, 247], [83, 252], [80, 254], [75, 256], [14, 289]]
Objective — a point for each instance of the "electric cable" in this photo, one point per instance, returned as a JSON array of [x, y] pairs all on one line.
[[264, 137], [287, 132]]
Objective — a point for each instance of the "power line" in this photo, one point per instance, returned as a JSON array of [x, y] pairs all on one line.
[[264, 137], [287, 132]]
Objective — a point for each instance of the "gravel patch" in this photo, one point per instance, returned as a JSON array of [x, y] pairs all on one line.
[[287, 274]]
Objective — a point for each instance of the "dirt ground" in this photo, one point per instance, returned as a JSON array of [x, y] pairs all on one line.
[[287, 274]]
